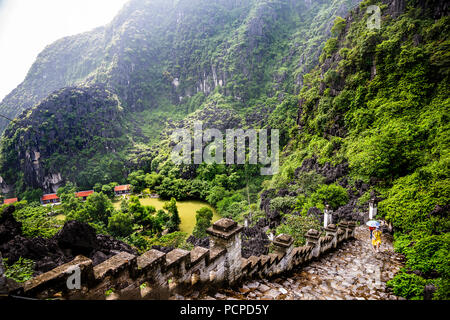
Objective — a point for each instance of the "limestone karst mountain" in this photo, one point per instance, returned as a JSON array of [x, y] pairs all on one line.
[[161, 57]]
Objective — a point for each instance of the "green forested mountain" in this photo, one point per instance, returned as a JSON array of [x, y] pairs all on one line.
[[163, 59], [363, 113]]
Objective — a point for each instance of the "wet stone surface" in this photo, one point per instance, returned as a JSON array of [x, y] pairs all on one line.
[[352, 272]]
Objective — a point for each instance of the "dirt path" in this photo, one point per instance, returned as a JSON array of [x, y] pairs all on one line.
[[351, 272]]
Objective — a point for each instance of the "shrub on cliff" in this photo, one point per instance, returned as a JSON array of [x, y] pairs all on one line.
[[171, 240], [297, 227], [282, 204]]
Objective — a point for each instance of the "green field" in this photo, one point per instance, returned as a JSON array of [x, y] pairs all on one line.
[[186, 210]]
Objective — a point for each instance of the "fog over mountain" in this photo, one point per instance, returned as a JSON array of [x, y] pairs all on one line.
[[27, 27], [362, 111]]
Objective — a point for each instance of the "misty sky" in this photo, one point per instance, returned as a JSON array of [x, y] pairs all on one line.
[[28, 26]]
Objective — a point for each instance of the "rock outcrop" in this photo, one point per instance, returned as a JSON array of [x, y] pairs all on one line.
[[75, 238], [352, 272], [255, 241]]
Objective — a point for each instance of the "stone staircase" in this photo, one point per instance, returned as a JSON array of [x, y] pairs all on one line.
[[352, 272]]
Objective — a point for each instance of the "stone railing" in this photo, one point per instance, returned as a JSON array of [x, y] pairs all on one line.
[[155, 275]]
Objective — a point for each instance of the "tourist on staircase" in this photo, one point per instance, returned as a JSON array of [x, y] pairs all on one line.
[[376, 240]]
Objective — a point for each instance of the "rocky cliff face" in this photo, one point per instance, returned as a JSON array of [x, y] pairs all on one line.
[[71, 122]]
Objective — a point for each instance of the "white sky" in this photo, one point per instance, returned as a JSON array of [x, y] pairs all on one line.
[[28, 26]]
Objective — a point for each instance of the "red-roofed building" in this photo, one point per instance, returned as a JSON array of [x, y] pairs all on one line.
[[50, 198], [10, 201], [84, 194], [120, 190]]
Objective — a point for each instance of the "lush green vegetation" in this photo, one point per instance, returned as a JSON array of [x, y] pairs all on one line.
[[392, 127], [297, 227], [222, 54], [20, 271], [427, 263], [377, 104], [204, 217], [332, 194]]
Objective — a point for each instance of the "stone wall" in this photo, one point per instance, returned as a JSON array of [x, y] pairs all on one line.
[[156, 275]]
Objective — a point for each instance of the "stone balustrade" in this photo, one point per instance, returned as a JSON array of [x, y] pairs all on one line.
[[155, 275]]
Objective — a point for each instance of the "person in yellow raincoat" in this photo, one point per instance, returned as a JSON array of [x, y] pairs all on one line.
[[376, 240]]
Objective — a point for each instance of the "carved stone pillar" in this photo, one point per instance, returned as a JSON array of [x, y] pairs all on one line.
[[226, 234], [332, 230]]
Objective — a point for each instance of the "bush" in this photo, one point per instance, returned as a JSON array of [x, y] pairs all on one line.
[[174, 239], [97, 208], [174, 222], [393, 150], [310, 181], [282, 204], [174, 188], [216, 194], [431, 254], [338, 26], [138, 241], [108, 190], [333, 195], [32, 195], [297, 227], [20, 271], [428, 256], [137, 180], [330, 46], [35, 221], [442, 289], [223, 206]]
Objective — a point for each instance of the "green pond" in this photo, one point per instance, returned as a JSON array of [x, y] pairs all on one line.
[[186, 210]]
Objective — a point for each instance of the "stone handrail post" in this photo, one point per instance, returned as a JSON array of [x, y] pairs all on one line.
[[313, 240], [343, 225], [349, 228], [225, 234]]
